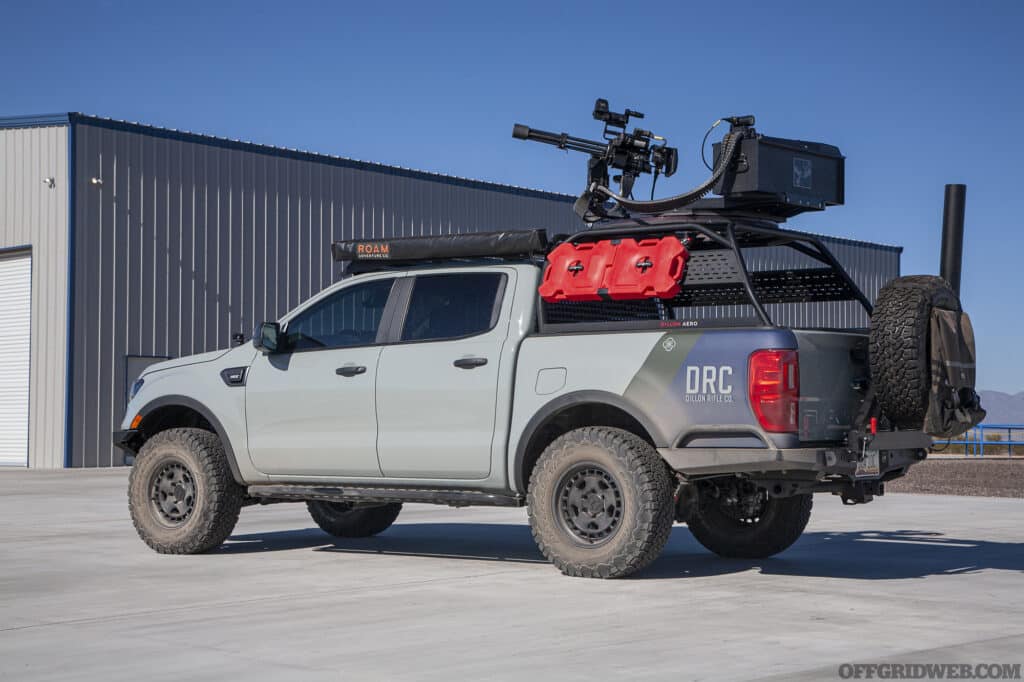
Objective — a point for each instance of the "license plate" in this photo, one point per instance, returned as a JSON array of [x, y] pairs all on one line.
[[868, 466]]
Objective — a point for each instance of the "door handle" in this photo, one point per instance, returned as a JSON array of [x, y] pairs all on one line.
[[470, 363], [350, 370]]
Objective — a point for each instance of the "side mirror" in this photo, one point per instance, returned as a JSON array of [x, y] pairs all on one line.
[[268, 337]]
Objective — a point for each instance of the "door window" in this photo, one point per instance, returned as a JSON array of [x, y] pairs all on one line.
[[349, 317], [453, 306]]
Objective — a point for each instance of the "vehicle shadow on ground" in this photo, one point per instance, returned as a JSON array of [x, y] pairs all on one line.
[[860, 555], [472, 541]]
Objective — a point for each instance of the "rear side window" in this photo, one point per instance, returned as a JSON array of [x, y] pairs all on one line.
[[453, 306], [350, 317]]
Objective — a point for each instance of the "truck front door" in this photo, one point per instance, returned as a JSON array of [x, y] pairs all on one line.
[[437, 383], [310, 411]]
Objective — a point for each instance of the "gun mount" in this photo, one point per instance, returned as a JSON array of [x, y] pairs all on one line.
[[767, 177]]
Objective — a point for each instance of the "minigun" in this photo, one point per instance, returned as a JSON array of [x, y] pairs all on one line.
[[769, 176], [631, 153]]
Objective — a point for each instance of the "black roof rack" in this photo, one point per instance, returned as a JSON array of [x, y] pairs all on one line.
[[715, 242]]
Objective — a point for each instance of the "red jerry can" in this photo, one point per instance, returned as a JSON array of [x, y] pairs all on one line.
[[621, 269], [576, 272], [649, 268]]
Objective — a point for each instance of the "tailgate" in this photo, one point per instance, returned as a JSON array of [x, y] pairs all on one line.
[[831, 363]]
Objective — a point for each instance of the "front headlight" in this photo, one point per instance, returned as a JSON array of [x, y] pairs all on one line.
[[135, 388]]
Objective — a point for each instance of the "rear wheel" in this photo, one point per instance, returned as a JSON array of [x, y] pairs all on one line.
[[749, 525], [343, 520], [181, 494], [600, 503]]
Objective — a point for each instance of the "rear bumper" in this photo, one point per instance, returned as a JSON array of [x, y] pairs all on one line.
[[701, 461], [897, 450]]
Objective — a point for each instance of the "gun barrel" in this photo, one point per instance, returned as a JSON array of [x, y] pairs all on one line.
[[560, 140]]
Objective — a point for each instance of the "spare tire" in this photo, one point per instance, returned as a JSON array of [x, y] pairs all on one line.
[[899, 345]]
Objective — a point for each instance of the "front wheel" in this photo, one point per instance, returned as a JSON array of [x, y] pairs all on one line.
[[747, 524], [181, 494], [600, 503]]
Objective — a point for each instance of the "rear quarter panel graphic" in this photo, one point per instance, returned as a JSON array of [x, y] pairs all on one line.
[[677, 380], [697, 381]]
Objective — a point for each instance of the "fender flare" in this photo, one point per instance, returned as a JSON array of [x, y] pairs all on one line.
[[207, 414], [562, 402]]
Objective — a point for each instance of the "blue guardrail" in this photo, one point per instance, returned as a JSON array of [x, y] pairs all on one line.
[[981, 436]]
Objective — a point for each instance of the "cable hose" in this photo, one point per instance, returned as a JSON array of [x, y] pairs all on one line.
[[730, 145]]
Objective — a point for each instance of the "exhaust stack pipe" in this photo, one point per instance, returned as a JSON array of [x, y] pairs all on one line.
[[952, 257]]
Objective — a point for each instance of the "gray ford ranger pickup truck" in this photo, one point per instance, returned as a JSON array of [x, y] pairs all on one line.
[[435, 373], [616, 381]]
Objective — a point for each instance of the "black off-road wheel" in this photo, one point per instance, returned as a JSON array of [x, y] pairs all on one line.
[[900, 344], [342, 520], [600, 503], [181, 495], [756, 530]]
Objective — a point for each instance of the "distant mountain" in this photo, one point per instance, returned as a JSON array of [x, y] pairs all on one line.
[[1003, 408]]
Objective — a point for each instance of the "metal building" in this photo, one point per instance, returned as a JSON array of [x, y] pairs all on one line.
[[123, 244]]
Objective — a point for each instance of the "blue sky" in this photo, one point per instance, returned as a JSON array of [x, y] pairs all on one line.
[[916, 94]]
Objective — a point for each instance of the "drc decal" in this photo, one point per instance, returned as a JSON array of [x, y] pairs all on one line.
[[693, 377], [708, 384]]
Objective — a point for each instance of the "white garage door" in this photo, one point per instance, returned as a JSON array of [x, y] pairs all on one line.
[[15, 319]]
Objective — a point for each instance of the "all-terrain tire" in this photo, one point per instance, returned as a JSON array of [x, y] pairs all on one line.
[[189, 464], [342, 520], [597, 469], [778, 527], [900, 342]]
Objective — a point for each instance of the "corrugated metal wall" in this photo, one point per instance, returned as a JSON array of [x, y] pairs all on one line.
[[34, 215], [181, 241]]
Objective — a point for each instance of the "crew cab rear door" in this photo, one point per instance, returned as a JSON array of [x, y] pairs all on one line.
[[437, 379]]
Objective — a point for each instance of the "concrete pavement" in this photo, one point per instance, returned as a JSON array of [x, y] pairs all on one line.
[[464, 594]]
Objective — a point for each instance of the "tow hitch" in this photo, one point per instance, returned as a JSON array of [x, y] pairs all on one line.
[[873, 450], [860, 492]]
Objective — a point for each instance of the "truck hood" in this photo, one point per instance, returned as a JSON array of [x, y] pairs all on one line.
[[187, 360]]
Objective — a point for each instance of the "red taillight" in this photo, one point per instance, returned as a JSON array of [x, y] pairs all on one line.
[[774, 388]]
